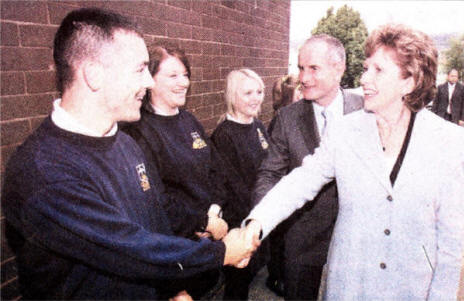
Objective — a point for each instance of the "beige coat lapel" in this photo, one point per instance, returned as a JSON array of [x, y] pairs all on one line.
[[365, 143], [418, 151]]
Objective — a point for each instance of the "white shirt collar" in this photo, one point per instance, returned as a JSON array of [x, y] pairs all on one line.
[[231, 118], [335, 108], [161, 112], [66, 121]]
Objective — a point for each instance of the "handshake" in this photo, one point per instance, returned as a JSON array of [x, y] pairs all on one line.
[[240, 243]]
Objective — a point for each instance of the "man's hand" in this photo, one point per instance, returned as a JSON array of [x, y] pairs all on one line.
[[181, 296], [239, 247], [217, 227]]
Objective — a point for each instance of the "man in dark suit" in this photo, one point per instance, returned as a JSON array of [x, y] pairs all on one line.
[[297, 131], [449, 102]]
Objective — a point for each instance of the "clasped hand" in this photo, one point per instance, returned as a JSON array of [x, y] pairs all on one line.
[[216, 228], [241, 243]]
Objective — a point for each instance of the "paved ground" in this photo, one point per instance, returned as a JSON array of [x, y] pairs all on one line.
[[259, 291]]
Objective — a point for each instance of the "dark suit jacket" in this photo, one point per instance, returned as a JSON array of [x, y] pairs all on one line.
[[457, 102], [295, 135]]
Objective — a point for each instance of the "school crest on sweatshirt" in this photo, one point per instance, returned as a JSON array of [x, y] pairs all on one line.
[[198, 142], [143, 179]]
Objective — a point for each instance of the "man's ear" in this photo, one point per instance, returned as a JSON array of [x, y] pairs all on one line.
[[93, 75]]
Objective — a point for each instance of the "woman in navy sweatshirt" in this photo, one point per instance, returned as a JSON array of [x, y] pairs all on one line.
[[176, 144], [242, 142]]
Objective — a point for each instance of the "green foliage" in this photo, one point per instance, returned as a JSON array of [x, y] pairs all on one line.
[[455, 56], [347, 26]]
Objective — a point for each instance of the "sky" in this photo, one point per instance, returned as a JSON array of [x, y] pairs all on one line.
[[431, 17]]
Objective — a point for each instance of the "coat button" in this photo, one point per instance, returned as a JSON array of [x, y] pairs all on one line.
[[390, 198], [386, 231], [383, 266]]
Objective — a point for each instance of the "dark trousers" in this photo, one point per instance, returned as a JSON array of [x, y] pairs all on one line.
[[447, 116], [237, 281], [276, 266], [302, 281]]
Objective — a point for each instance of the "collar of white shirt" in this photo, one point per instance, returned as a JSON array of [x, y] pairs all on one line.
[[65, 121], [231, 118], [335, 110], [159, 111]]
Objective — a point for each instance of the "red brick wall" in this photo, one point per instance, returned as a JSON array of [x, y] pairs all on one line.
[[218, 36]]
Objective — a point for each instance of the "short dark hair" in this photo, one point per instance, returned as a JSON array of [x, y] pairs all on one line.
[[416, 56], [157, 55], [81, 35]]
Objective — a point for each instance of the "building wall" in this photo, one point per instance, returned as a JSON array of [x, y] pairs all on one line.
[[218, 36]]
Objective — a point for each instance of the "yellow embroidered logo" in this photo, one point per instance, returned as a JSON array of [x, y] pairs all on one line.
[[263, 141], [142, 173], [198, 142]]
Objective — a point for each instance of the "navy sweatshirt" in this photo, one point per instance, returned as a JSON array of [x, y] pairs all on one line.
[[84, 219], [190, 168], [242, 147]]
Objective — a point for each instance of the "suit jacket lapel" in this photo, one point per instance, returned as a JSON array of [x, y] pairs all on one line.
[[446, 93], [365, 142], [308, 125], [454, 93], [351, 104]]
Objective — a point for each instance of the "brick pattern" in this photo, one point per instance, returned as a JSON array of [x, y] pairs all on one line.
[[217, 35]]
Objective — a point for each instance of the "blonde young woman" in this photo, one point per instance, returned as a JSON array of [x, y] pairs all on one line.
[[242, 141]]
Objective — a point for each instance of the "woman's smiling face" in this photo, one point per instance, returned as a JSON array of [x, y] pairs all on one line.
[[171, 83], [382, 81]]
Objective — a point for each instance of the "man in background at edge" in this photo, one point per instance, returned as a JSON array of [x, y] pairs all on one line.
[[82, 212], [449, 102], [296, 133]]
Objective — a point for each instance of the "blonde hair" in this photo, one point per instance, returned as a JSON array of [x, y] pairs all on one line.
[[233, 82]]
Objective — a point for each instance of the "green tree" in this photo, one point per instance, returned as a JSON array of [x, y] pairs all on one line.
[[455, 56], [347, 26]]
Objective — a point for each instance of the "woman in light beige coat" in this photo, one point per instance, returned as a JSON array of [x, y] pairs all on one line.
[[400, 176]]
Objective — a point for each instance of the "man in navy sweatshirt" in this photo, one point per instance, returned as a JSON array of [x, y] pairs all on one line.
[[82, 210]]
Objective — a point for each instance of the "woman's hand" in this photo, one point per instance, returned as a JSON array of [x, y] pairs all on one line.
[[217, 227]]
